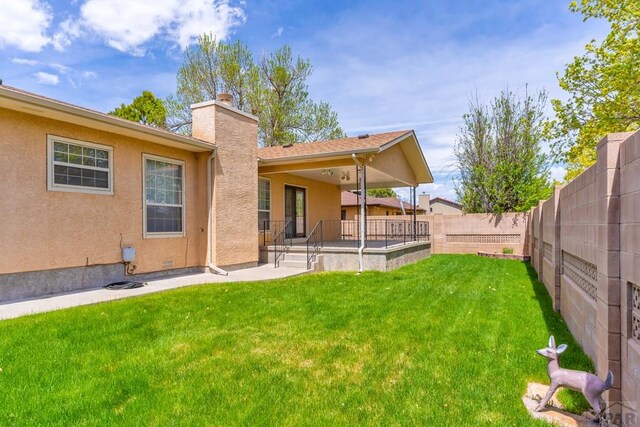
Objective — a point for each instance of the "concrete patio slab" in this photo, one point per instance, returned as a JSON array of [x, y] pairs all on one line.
[[93, 296]]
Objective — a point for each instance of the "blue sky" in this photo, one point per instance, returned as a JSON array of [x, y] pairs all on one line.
[[383, 65]]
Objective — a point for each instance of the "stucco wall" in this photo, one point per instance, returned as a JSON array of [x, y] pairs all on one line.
[[394, 163], [235, 188], [438, 207], [51, 229], [323, 200]]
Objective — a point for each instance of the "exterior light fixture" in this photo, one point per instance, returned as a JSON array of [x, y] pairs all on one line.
[[327, 172]]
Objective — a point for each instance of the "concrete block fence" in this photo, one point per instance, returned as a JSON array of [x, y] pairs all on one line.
[[585, 246], [473, 233]]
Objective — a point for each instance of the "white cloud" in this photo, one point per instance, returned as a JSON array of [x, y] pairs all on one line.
[[128, 25], [46, 78], [24, 61], [68, 30], [89, 74], [423, 80], [62, 69], [24, 23], [196, 17], [278, 32]]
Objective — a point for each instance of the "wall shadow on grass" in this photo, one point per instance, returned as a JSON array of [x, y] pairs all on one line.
[[574, 357]]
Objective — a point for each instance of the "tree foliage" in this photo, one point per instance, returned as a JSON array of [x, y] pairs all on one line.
[[273, 88], [603, 85], [498, 155], [382, 192], [281, 100], [210, 68], [145, 109]]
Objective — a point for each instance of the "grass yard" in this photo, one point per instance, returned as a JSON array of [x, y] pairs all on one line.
[[447, 341]]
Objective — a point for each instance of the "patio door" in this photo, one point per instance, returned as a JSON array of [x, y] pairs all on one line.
[[295, 209]]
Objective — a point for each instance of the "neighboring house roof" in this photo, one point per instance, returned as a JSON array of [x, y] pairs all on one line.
[[352, 199], [38, 105], [445, 202]]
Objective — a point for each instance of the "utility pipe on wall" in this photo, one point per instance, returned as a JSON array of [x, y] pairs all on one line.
[[363, 212], [210, 264]]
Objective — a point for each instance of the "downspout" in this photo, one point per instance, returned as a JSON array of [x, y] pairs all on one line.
[[363, 212], [210, 264]]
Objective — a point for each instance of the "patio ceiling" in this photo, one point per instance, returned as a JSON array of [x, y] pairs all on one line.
[[345, 177]]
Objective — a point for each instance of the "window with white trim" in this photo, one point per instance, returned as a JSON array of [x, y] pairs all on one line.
[[164, 193], [264, 204], [79, 166]]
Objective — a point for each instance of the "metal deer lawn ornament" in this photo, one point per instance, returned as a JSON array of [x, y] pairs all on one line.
[[591, 386]]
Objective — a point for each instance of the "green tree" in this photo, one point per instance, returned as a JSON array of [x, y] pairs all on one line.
[[498, 155], [209, 68], [382, 192], [603, 85], [274, 89], [145, 109], [282, 103]]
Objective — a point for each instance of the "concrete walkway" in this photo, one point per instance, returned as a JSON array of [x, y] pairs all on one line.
[[93, 296]]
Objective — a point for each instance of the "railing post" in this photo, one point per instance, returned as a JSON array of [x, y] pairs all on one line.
[[404, 232], [386, 233]]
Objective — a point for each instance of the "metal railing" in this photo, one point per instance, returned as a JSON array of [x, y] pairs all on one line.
[[380, 233], [384, 232], [279, 239], [315, 240], [390, 231]]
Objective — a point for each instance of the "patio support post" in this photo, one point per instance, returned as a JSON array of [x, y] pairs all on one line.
[[363, 211], [415, 222]]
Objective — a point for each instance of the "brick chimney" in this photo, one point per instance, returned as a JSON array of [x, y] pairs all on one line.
[[424, 201]]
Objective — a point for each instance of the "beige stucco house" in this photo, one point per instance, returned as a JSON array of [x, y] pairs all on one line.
[[376, 206], [88, 198], [440, 205]]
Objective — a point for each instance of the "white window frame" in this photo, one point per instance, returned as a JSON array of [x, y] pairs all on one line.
[[265, 210], [53, 186], [151, 235]]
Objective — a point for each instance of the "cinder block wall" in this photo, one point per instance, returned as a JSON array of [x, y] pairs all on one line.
[[536, 239], [471, 233], [590, 264]]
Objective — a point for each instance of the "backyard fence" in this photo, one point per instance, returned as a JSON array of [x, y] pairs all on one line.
[[585, 247], [471, 233]]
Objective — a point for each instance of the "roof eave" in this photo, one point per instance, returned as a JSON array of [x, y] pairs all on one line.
[[115, 124], [318, 156]]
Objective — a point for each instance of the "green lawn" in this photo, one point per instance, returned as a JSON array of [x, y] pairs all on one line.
[[447, 341]]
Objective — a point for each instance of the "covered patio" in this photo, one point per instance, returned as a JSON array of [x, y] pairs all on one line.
[[299, 200]]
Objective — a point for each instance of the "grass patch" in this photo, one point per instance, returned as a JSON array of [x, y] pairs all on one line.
[[447, 341]]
